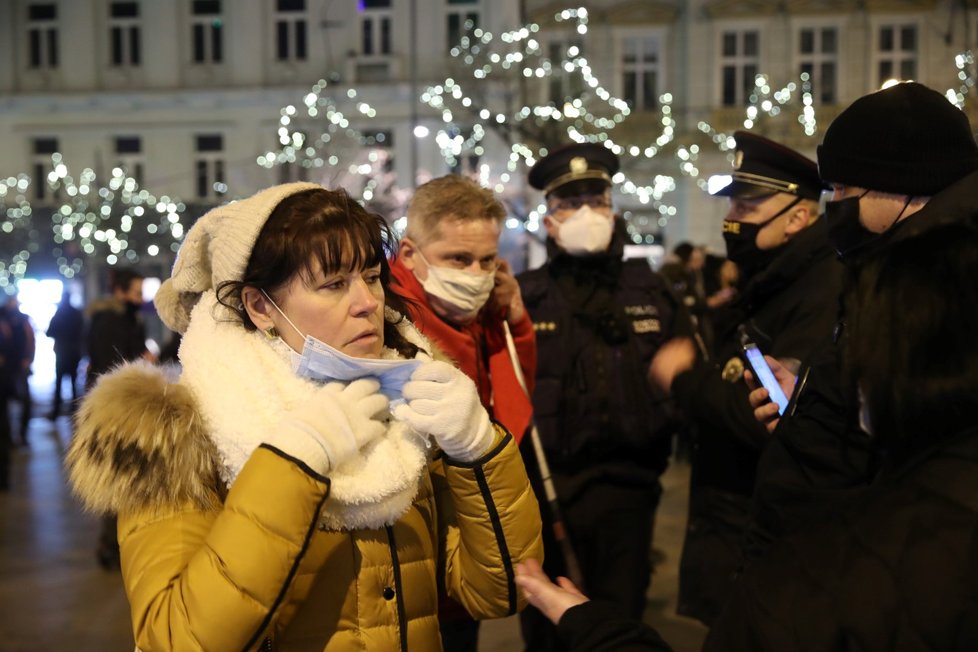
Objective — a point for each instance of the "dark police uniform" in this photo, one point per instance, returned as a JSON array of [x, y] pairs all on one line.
[[599, 320], [784, 307]]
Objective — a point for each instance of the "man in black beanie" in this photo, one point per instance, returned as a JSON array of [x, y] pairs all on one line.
[[899, 161]]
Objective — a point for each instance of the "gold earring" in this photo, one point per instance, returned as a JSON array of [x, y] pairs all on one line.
[[270, 332]]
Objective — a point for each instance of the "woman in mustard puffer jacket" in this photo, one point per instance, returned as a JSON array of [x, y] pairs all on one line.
[[313, 472]]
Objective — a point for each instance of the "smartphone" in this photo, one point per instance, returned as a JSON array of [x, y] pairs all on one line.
[[764, 374]]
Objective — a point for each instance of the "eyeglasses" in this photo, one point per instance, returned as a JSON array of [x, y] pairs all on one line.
[[574, 203]]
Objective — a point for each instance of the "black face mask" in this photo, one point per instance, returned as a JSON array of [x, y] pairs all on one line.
[[741, 239], [847, 235], [133, 308]]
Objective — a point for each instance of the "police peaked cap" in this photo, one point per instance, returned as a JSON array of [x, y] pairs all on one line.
[[763, 167], [573, 163]]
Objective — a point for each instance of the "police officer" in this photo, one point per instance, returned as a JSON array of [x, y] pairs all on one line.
[[599, 319], [774, 234]]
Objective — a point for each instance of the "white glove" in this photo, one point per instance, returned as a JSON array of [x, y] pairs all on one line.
[[443, 402], [337, 422]]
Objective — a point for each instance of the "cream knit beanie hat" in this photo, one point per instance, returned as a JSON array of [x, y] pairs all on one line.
[[216, 250]]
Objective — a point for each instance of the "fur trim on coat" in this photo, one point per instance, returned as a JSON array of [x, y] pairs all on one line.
[[140, 444]]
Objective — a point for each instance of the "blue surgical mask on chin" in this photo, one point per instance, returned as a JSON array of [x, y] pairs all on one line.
[[321, 362]]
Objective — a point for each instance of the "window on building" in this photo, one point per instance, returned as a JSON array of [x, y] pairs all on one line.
[[640, 72], [291, 24], [129, 156], [375, 27], [42, 35], [377, 138], [380, 144], [818, 58], [206, 31], [564, 86], [739, 64], [124, 34], [896, 52], [461, 20], [41, 151], [209, 166]]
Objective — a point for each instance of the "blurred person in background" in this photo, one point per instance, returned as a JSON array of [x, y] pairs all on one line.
[[67, 329], [9, 372], [116, 335], [24, 342]]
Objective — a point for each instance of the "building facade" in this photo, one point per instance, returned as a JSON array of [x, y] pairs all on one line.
[[187, 96]]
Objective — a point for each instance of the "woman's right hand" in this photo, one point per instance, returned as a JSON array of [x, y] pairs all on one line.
[[334, 424]]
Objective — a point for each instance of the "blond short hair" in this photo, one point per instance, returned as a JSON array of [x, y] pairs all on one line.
[[449, 197]]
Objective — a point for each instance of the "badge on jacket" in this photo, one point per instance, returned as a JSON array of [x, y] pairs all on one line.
[[733, 371]]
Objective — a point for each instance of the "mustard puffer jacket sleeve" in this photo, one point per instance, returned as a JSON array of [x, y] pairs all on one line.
[[212, 579], [489, 521]]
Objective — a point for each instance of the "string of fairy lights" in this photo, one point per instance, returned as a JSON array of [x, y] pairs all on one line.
[[297, 147], [117, 221], [113, 220], [519, 51]]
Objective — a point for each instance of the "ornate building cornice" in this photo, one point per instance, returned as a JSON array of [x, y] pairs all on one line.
[[746, 9], [629, 12]]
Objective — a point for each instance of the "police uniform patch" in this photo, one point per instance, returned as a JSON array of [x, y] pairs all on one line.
[[733, 371], [646, 326], [641, 311]]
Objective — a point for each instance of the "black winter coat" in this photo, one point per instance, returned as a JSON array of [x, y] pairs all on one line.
[[116, 334], [784, 309], [896, 570]]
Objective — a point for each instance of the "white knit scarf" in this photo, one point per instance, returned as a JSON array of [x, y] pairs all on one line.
[[243, 388]]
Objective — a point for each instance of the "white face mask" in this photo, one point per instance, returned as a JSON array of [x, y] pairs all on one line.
[[459, 293], [321, 362], [585, 232]]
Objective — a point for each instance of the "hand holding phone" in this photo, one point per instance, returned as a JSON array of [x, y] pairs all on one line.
[[766, 377]]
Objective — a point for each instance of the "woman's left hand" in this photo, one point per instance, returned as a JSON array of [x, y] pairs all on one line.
[[443, 402]]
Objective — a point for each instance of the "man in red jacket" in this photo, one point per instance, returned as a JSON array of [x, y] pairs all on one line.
[[461, 295]]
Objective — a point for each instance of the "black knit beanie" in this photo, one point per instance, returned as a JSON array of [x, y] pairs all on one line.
[[906, 139]]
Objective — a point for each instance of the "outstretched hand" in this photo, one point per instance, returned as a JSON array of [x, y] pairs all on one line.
[[673, 358], [551, 599]]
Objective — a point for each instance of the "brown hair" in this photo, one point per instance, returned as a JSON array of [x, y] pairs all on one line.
[[325, 227], [451, 196]]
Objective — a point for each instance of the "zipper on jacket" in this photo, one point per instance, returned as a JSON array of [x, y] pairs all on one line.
[[497, 528], [398, 589]]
